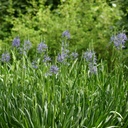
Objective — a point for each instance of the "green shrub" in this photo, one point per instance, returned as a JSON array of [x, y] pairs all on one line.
[[88, 22]]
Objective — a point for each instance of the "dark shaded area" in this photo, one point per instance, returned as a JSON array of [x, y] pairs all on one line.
[[53, 3]]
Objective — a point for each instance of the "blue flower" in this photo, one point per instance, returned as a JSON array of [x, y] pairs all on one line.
[[66, 34], [22, 51], [5, 57], [54, 69], [91, 59], [16, 42], [92, 68], [41, 47], [61, 57], [46, 58], [74, 55], [27, 45], [90, 56], [64, 52], [34, 64], [119, 40]]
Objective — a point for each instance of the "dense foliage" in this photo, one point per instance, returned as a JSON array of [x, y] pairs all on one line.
[[63, 64], [87, 21]]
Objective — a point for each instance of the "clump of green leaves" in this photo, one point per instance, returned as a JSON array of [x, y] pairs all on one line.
[[88, 22]]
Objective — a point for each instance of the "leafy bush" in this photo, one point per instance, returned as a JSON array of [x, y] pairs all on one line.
[[123, 6], [88, 22]]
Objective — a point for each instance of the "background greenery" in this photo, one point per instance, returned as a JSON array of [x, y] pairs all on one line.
[[87, 21]]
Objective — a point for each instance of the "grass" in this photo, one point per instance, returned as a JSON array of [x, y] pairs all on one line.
[[72, 98]]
